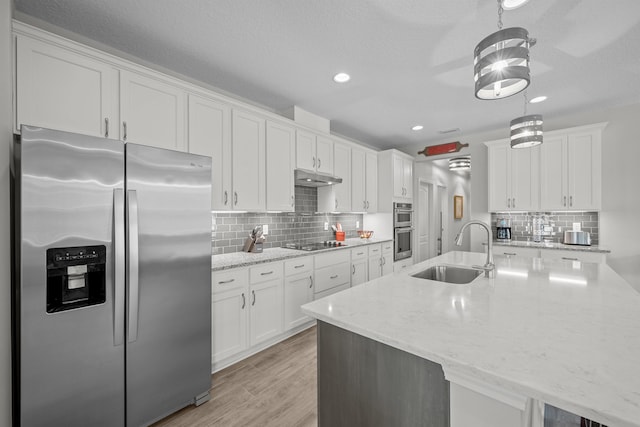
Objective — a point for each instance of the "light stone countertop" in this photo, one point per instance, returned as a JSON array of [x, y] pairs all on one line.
[[551, 245], [563, 332], [244, 259]]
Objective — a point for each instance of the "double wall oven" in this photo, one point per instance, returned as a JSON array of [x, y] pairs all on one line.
[[402, 231]]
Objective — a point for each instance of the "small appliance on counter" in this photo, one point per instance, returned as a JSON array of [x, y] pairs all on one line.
[[582, 238], [503, 229], [255, 241]]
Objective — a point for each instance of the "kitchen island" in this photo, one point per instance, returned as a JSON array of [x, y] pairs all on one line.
[[548, 331]]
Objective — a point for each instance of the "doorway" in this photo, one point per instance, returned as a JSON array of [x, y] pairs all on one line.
[[432, 227]]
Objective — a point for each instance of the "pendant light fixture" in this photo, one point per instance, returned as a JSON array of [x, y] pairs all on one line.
[[460, 163], [526, 131], [501, 62]]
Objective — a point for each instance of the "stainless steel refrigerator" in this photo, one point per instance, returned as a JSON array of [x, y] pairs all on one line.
[[111, 280]]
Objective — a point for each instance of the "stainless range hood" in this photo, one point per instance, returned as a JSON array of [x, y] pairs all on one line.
[[314, 179]]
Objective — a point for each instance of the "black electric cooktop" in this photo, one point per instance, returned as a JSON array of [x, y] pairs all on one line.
[[314, 246]]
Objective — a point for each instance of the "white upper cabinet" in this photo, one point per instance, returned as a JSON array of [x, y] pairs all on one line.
[[151, 111], [314, 153], [364, 181], [337, 197], [65, 90], [209, 134], [513, 177], [280, 162], [571, 169], [402, 177], [248, 159], [399, 166]]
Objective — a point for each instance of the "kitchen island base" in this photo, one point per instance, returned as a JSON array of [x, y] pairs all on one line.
[[362, 382]]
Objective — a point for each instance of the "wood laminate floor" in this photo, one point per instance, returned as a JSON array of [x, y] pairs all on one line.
[[276, 387]]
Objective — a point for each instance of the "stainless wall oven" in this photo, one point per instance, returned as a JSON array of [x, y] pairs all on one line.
[[402, 231]]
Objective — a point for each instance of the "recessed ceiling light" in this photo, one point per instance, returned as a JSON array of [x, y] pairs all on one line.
[[512, 4], [341, 78], [417, 127], [538, 99]]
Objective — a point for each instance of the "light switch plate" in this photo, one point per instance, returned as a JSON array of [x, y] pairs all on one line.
[[265, 229], [326, 226], [357, 224]]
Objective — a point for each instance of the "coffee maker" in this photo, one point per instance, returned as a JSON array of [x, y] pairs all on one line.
[[503, 229]]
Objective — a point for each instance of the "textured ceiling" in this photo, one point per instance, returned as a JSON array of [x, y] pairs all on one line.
[[411, 61]]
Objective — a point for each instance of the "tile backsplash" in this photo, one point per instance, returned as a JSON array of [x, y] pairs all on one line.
[[229, 230], [522, 230]]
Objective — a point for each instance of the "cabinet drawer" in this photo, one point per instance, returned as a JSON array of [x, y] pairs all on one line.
[[331, 258], [573, 255], [387, 247], [224, 280], [298, 265], [332, 276], [330, 291], [512, 252], [264, 272], [375, 250], [359, 253]]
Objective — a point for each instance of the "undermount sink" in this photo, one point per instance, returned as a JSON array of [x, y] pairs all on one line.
[[449, 274]]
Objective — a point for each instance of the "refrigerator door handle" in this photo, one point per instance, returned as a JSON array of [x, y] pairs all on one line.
[[132, 265], [119, 265]]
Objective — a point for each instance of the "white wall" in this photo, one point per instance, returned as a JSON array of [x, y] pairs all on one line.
[[5, 250], [619, 228]]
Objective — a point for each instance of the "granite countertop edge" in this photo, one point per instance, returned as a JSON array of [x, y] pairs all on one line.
[[245, 259], [552, 245]]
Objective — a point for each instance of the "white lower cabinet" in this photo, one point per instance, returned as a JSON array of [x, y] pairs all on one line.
[[229, 313], [265, 285], [359, 257], [581, 256], [387, 258], [332, 270], [298, 290], [403, 264], [513, 251], [375, 261]]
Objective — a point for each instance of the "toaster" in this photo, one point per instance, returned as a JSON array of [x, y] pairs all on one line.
[[577, 238]]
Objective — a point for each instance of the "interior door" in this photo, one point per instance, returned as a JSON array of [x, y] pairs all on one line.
[[423, 222], [169, 308]]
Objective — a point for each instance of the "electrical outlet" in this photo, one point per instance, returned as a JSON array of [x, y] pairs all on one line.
[[265, 229], [357, 224], [326, 226]]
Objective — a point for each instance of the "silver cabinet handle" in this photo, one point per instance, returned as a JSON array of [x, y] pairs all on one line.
[[508, 202], [336, 204], [384, 260], [570, 259], [298, 266], [235, 198], [565, 201], [353, 269], [124, 131], [380, 262], [226, 281], [510, 253], [314, 162], [310, 282], [335, 276], [318, 162], [119, 266], [367, 204], [571, 201], [293, 201], [106, 127], [244, 301], [364, 204], [132, 265], [360, 253], [253, 293], [513, 202], [226, 197], [266, 273]]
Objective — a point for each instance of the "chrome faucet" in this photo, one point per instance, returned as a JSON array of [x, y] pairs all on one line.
[[489, 266]]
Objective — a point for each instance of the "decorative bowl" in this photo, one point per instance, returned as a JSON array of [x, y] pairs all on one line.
[[365, 234]]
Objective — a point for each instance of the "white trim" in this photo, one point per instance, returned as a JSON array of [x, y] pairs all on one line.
[[508, 397]]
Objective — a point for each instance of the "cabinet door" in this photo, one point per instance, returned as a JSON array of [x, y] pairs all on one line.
[[358, 203], [266, 311], [358, 272], [387, 263], [375, 267], [60, 89], [280, 149], [229, 323], [248, 154], [305, 150], [324, 155], [298, 290], [371, 182], [553, 164], [583, 171], [499, 197], [407, 172], [342, 169], [398, 176], [525, 185], [209, 134], [151, 111]]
